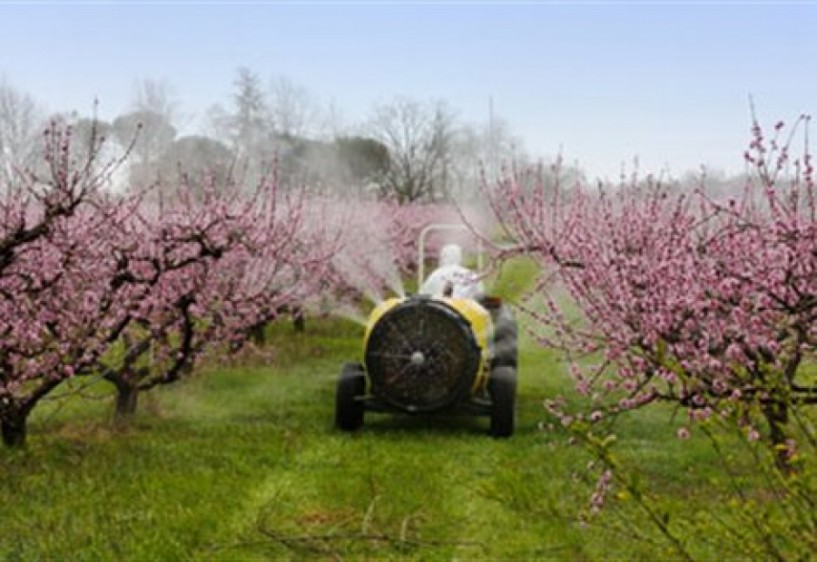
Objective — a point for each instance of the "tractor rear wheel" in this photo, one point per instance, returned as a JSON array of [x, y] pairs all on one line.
[[502, 387], [505, 337], [348, 406]]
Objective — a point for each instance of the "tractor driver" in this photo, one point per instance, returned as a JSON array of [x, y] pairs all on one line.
[[451, 278]]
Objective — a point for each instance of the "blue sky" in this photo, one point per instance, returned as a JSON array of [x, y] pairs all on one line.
[[603, 82]]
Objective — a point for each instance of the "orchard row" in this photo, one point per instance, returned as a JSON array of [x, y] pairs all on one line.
[[134, 287]]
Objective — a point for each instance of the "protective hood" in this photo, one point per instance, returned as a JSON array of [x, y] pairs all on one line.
[[451, 254]]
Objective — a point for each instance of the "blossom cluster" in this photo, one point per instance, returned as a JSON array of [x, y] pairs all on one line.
[[657, 293], [94, 283]]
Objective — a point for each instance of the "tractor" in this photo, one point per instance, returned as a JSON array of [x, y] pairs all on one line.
[[427, 354]]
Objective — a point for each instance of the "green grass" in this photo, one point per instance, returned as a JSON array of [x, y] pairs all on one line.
[[241, 462]]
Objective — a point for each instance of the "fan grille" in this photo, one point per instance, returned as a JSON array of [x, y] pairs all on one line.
[[422, 355]]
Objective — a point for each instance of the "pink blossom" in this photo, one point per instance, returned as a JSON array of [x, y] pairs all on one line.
[[686, 292], [90, 271]]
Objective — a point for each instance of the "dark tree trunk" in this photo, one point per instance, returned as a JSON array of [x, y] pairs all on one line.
[[127, 398], [298, 320], [127, 394], [259, 335], [777, 416], [13, 428]]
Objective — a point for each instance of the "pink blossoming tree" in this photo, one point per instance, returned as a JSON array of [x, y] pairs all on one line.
[[703, 303], [98, 284], [218, 268], [708, 304], [60, 292]]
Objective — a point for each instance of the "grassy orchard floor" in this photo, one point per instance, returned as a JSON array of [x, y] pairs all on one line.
[[242, 463]]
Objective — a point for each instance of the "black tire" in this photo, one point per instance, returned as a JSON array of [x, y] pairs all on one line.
[[505, 338], [348, 406], [502, 387]]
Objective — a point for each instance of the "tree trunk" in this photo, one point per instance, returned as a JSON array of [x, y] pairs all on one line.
[[13, 428], [777, 416], [127, 394], [127, 398], [259, 335], [298, 320]]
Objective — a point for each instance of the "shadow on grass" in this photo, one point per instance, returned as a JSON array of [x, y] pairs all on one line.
[[442, 424], [384, 424]]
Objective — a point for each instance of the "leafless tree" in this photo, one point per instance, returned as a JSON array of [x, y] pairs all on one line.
[[150, 135], [148, 129], [419, 138], [19, 125], [293, 111], [483, 150], [157, 96]]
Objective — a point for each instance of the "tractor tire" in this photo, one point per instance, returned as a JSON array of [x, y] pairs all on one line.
[[502, 387], [348, 407], [505, 338]]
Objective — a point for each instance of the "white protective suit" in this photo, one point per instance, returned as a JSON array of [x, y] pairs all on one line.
[[466, 284]]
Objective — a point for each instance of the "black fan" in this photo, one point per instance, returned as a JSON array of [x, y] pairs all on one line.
[[422, 355]]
